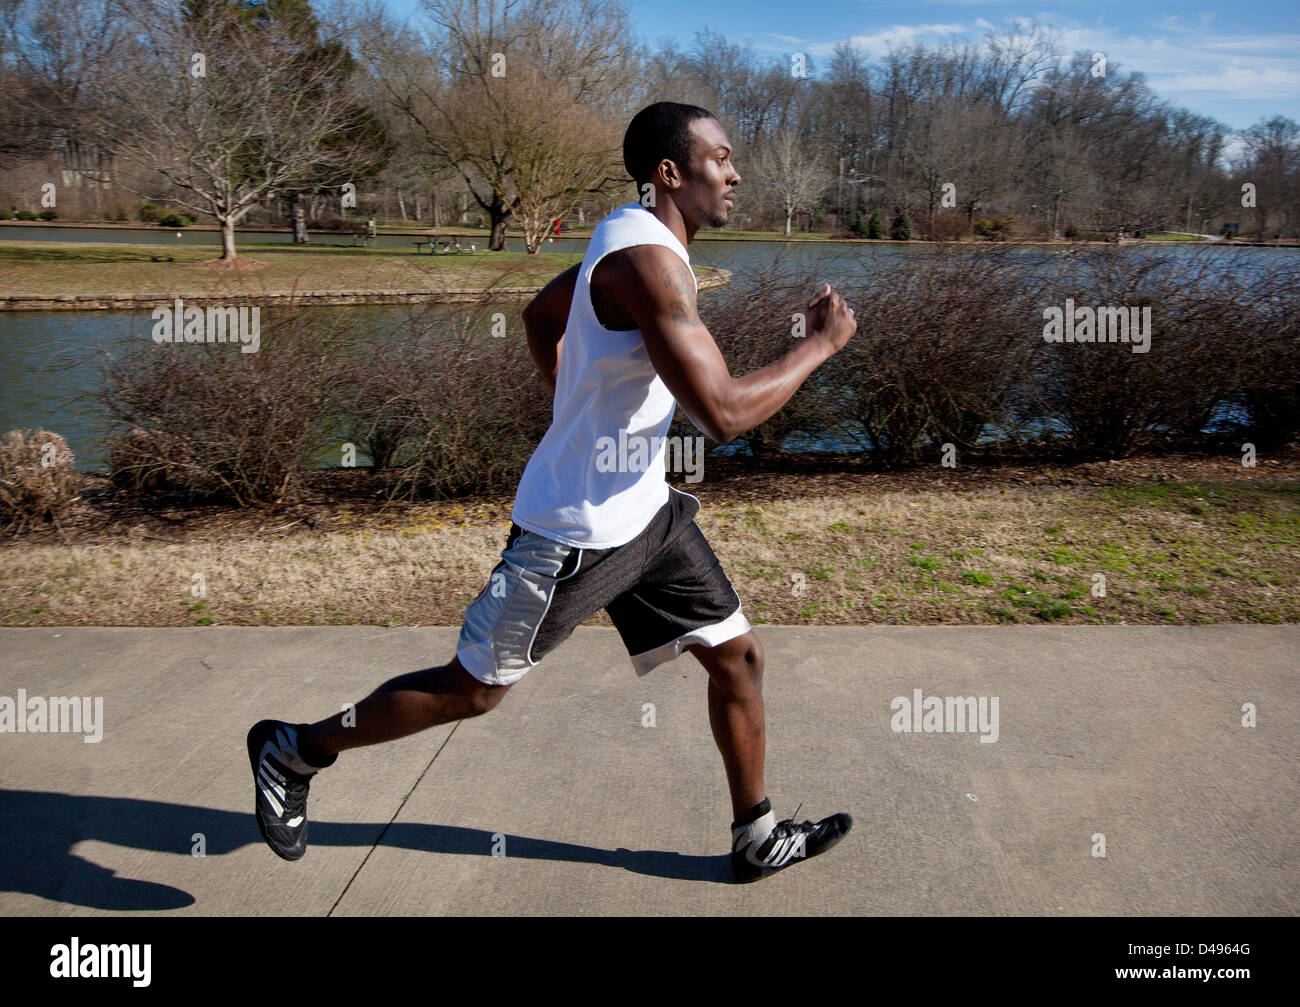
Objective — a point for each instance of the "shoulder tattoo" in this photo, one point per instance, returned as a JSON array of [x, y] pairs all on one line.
[[678, 280]]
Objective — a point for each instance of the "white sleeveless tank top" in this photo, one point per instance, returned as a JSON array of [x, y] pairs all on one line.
[[597, 477]]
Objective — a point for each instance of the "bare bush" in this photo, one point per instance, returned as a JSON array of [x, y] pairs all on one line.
[[451, 409], [950, 226], [949, 349], [37, 482], [944, 347], [753, 320], [1113, 401], [208, 420], [1268, 355], [152, 460]]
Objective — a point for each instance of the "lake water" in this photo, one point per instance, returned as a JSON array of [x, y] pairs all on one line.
[[49, 361]]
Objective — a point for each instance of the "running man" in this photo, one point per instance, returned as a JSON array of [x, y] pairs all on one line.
[[619, 339]]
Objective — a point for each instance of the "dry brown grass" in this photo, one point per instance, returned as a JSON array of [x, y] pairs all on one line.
[[1004, 546], [37, 481]]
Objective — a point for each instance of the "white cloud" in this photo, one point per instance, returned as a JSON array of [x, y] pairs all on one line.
[[896, 36], [1193, 61], [1237, 82], [1185, 58], [1233, 148]]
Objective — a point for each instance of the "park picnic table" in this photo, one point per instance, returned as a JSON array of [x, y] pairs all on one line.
[[449, 244]]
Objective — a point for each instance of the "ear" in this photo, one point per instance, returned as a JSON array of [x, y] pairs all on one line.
[[669, 174]]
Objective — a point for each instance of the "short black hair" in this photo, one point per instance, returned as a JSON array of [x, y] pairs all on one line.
[[658, 131]]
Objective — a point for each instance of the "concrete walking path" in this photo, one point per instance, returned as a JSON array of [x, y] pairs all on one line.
[[1134, 733]]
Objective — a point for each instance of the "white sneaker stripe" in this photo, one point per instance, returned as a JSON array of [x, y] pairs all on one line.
[[274, 773], [782, 852], [275, 805], [270, 787]]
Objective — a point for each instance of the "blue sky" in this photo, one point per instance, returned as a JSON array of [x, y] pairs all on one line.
[[1233, 61]]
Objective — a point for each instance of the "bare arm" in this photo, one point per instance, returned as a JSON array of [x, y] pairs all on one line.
[[660, 295], [544, 321]]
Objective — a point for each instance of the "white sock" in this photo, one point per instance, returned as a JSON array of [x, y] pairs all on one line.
[[755, 832], [289, 753]]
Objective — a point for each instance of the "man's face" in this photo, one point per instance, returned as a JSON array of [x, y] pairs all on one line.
[[711, 178]]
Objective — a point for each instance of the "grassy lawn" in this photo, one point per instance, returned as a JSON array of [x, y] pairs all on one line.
[[1175, 236], [94, 268], [1174, 553], [1165, 554]]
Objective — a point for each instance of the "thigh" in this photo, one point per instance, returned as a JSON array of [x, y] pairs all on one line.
[[502, 623], [682, 599], [536, 596]]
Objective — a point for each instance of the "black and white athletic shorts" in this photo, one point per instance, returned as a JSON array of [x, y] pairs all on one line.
[[664, 590]]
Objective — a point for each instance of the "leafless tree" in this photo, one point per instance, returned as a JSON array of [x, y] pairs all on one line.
[[52, 56], [1271, 163], [1017, 57], [107, 88], [791, 172], [478, 80], [216, 114], [558, 151]]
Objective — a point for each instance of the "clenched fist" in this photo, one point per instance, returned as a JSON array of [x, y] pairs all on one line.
[[829, 318]]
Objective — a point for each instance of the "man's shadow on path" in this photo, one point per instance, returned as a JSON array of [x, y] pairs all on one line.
[[41, 827]]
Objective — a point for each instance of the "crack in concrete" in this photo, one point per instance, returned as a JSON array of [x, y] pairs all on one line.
[[400, 806]]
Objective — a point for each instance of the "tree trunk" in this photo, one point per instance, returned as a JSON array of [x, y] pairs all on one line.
[[298, 215], [401, 204], [788, 214], [228, 239], [497, 239], [499, 213]]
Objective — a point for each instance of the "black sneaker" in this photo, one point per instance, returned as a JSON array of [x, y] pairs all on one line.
[[787, 843], [280, 782]]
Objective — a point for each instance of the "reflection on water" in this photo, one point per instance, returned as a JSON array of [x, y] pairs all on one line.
[[49, 368]]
